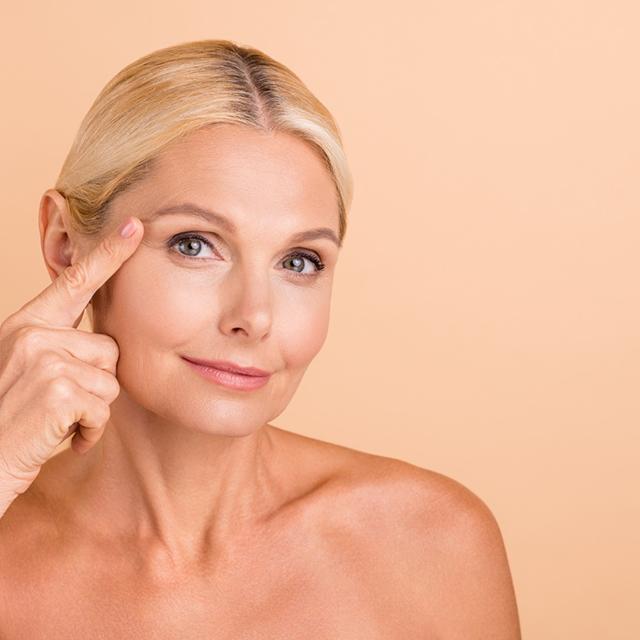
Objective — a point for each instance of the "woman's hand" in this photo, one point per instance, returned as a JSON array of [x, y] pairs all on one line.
[[57, 380]]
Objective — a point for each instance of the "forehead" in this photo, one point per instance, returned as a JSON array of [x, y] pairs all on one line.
[[254, 177]]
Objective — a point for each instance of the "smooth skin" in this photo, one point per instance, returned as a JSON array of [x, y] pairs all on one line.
[[191, 515]]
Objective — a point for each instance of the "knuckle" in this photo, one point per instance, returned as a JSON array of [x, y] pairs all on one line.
[[50, 362], [75, 275], [61, 389], [29, 339], [54, 365]]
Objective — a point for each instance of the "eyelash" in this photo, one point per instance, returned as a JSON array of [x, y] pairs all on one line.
[[295, 254]]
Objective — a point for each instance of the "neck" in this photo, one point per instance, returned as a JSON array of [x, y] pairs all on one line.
[[178, 489]]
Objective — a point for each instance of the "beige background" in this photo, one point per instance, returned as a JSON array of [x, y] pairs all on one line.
[[486, 311]]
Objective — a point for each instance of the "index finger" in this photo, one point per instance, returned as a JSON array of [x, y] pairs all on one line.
[[63, 302]]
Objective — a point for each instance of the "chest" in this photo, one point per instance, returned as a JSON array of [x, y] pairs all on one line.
[[288, 595]]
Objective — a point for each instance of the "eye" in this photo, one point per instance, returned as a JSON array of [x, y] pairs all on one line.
[[298, 257], [192, 243]]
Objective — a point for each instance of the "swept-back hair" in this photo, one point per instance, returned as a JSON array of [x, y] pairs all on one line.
[[169, 93]]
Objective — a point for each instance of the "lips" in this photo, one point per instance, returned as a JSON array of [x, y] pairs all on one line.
[[225, 365]]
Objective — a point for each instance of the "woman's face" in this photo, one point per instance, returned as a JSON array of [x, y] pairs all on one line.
[[200, 288]]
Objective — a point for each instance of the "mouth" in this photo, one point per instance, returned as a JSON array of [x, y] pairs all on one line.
[[230, 379], [225, 365]]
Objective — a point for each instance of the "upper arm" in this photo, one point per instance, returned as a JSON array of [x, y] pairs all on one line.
[[469, 590]]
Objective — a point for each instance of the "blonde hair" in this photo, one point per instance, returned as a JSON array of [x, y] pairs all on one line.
[[169, 93]]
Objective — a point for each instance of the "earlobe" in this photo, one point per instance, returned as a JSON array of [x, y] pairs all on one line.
[[55, 242]]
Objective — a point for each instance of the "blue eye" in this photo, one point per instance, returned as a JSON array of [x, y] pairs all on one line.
[[299, 256], [193, 241]]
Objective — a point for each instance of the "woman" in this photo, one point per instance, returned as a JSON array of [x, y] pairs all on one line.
[[187, 514]]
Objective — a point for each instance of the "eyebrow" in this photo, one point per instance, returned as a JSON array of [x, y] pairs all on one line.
[[228, 225]]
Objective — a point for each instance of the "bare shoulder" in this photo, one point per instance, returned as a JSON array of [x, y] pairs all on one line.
[[376, 486], [424, 541], [445, 541]]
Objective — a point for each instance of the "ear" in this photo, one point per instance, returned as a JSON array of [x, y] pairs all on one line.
[[54, 223], [59, 242]]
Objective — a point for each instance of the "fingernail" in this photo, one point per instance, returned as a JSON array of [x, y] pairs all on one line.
[[127, 228]]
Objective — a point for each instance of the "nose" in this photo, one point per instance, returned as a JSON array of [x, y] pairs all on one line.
[[246, 302]]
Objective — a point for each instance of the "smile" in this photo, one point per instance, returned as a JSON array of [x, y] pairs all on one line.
[[229, 379]]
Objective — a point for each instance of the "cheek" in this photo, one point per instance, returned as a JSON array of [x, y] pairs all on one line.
[[152, 315], [155, 306], [156, 312], [151, 305], [302, 325]]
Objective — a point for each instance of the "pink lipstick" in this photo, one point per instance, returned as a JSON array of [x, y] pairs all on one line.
[[229, 374]]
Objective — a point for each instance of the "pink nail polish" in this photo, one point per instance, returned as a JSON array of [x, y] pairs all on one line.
[[127, 228]]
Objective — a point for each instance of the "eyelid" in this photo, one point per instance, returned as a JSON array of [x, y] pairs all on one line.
[[309, 254], [218, 238]]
